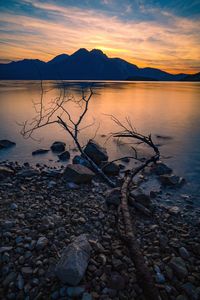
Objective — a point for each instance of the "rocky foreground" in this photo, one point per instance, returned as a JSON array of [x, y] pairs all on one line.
[[60, 239]]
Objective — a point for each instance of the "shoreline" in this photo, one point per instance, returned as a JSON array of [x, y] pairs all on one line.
[[45, 205]]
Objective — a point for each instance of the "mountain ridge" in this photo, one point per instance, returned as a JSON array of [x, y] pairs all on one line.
[[84, 65]]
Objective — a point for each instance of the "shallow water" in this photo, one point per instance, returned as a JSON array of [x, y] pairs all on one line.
[[161, 108]]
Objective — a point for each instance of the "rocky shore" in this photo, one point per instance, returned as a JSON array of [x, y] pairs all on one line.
[[50, 225]]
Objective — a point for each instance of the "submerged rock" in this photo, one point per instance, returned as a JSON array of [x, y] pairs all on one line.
[[78, 174], [5, 144], [40, 151], [97, 153], [58, 146], [64, 156], [172, 180], [81, 161], [74, 261], [111, 169], [161, 169]]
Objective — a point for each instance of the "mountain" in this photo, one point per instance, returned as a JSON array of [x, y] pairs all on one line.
[[193, 77], [82, 65]]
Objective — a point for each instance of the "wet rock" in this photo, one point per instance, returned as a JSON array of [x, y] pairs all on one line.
[[161, 169], [7, 224], [42, 243], [97, 153], [5, 144], [64, 156], [74, 261], [78, 174], [179, 267], [81, 161], [72, 186], [171, 180], [58, 146], [40, 151], [113, 196], [111, 169]]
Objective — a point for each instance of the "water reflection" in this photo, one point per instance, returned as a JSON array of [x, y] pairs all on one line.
[[168, 108]]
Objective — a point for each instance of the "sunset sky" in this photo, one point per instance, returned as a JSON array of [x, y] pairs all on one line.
[[157, 33]]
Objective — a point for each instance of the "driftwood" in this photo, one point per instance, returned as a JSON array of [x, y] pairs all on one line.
[[144, 276]]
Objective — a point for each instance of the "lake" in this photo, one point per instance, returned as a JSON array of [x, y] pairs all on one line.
[[161, 108]]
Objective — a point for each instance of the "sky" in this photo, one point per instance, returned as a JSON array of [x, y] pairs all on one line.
[[163, 34]]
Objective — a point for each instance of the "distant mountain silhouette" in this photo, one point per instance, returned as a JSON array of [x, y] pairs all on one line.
[[82, 65], [193, 77]]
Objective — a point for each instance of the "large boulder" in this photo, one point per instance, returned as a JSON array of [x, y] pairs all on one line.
[[4, 144], [97, 153], [74, 261], [58, 147], [78, 174]]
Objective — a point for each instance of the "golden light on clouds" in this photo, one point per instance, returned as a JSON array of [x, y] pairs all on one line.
[[172, 45]]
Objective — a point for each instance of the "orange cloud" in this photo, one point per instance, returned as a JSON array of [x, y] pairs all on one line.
[[172, 45]]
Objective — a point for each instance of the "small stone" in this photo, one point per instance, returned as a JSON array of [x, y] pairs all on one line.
[[27, 271], [178, 266], [20, 282], [75, 291], [116, 281], [160, 278], [174, 210], [14, 206], [42, 243], [86, 296], [55, 295], [5, 249], [9, 278], [190, 291], [113, 196], [184, 253]]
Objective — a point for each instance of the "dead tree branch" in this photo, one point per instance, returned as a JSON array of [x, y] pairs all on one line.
[[143, 274], [57, 112]]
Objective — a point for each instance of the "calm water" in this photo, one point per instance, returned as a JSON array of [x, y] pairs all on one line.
[[169, 109]]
